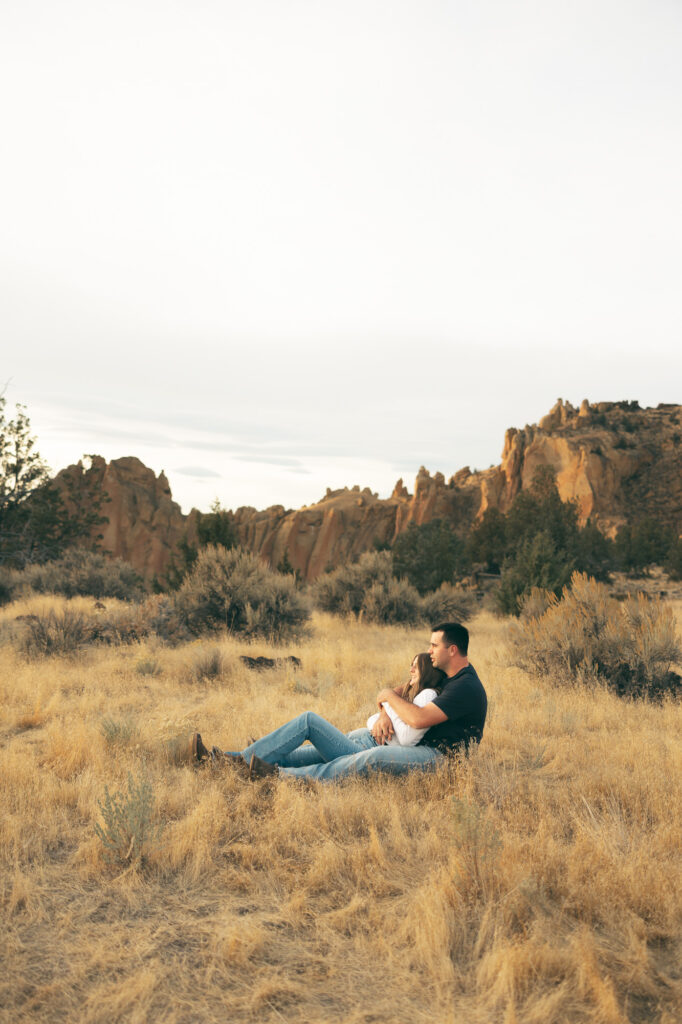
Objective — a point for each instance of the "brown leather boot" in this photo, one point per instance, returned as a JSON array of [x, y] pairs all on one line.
[[260, 769], [197, 751], [220, 758]]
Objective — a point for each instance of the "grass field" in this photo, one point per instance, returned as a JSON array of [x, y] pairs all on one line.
[[538, 882]]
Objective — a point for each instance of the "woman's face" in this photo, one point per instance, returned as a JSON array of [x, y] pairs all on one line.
[[414, 671]]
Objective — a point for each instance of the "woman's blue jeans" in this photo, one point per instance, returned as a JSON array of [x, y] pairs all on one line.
[[334, 754]]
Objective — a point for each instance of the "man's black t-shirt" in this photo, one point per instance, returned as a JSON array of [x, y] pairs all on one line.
[[464, 701]]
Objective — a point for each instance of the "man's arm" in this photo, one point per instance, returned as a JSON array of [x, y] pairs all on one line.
[[405, 734], [382, 729], [411, 714]]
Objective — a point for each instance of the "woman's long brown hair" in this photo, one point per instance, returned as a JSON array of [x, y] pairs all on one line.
[[428, 678]]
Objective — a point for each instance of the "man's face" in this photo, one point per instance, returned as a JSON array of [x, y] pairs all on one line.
[[438, 651]]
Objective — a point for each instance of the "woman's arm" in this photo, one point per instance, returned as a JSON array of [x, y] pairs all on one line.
[[407, 735]]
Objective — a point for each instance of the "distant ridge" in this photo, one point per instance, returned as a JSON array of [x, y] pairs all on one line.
[[617, 460]]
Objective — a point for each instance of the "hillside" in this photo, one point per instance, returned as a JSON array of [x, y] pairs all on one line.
[[615, 459]]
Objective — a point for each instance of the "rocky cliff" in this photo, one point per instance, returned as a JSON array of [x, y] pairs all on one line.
[[141, 522], [614, 458]]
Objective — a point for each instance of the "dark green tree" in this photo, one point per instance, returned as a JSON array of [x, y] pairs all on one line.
[[673, 562], [488, 540], [536, 563], [593, 552], [22, 470], [35, 523], [646, 541], [544, 544], [286, 568], [541, 509], [429, 555], [215, 527]]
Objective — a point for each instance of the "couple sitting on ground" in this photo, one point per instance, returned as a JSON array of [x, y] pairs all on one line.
[[440, 710]]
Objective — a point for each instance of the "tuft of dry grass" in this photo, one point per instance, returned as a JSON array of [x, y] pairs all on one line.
[[537, 881]]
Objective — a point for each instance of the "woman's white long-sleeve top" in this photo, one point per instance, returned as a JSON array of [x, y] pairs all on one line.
[[404, 735]]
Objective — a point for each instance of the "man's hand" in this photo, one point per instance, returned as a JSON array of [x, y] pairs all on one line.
[[412, 714], [383, 728]]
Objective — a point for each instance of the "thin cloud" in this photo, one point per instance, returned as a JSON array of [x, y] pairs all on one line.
[[275, 460], [197, 471]]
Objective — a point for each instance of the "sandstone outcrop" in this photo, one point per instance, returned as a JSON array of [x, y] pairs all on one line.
[[614, 459], [142, 524]]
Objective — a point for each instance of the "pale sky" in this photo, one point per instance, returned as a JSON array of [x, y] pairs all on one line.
[[272, 247]]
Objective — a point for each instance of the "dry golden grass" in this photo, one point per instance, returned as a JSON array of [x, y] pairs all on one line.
[[538, 882]]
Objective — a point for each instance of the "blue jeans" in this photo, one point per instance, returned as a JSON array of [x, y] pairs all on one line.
[[334, 754]]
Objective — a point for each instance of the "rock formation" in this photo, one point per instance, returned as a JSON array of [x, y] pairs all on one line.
[[614, 458], [142, 524]]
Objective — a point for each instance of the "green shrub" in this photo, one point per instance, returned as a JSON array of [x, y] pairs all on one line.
[[215, 527], [128, 832], [83, 573], [673, 562], [343, 590], [447, 604], [587, 635], [233, 590], [165, 619], [127, 624], [537, 563], [117, 732], [147, 667], [368, 588], [395, 601], [643, 543], [429, 555], [63, 632]]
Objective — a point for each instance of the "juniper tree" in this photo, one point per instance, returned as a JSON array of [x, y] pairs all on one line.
[[35, 523]]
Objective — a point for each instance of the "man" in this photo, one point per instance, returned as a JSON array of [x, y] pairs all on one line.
[[457, 716], [454, 720]]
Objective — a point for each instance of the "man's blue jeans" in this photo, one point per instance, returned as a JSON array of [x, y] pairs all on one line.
[[333, 754]]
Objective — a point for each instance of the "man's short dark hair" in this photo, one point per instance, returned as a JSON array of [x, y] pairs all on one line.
[[454, 633]]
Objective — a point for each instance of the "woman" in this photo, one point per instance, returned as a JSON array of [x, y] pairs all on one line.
[[283, 748], [424, 684]]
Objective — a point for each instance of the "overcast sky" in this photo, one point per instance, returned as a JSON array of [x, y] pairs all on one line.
[[272, 247]]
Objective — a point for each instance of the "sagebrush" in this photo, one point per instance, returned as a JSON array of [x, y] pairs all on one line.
[[55, 632], [206, 663], [369, 589], [343, 590], [448, 604], [586, 634], [128, 832], [233, 590], [82, 573]]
